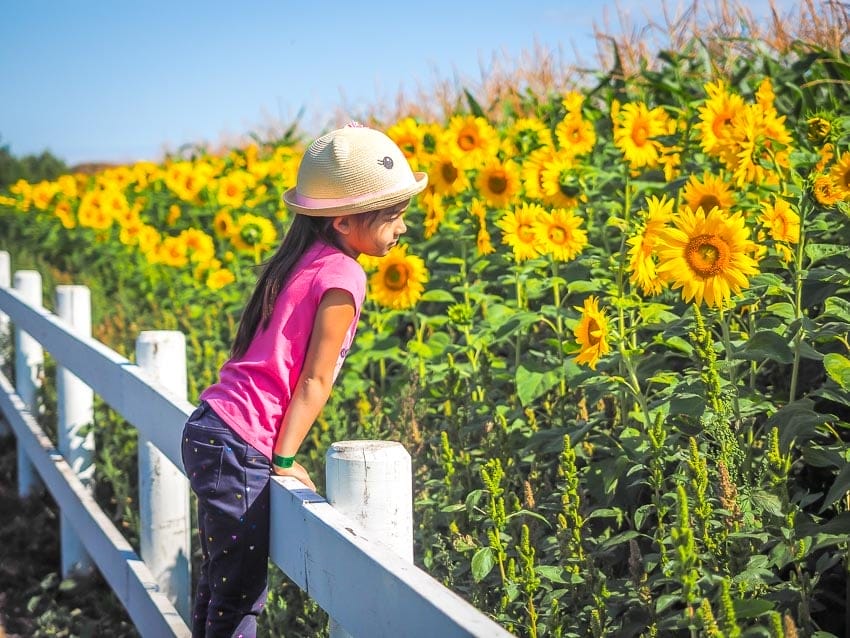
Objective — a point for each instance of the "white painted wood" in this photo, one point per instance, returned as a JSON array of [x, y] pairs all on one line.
[[369, 589], [5, 328], [165, 523], [149, 407], [371, 483], [75, 410], [151, 612], [29, 365]]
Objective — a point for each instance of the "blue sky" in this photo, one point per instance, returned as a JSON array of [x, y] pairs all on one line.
[[119, 81]]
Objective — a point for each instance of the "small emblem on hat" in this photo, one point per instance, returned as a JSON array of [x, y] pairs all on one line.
[[387, 162]]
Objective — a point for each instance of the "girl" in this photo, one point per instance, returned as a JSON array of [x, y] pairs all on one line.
[[352, 188]]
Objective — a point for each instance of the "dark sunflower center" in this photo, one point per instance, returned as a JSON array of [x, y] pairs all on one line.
[[467, 141], [497, 183], [594, 334], [707, 255], [707, 202], [557, 235], [395, 278], [640, 133], [449, 172]]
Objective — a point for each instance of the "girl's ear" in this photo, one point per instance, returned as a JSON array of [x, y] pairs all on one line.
[[342, 224]]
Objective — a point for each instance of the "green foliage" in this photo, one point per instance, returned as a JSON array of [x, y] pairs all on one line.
[[32, 168], [694, 481]]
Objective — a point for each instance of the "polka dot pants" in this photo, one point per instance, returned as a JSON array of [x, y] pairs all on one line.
[[231, 480]]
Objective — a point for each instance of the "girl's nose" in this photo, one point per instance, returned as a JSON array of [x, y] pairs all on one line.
[[402, 227]]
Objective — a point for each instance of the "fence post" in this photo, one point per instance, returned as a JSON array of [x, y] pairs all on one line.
[[5, 333], [29, 363], [165, 524], [75, 408], [371, 482]]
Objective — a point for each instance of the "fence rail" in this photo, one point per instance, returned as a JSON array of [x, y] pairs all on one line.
[[343, 554]]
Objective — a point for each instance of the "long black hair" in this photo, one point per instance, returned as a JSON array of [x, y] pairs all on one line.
[[302, 233]]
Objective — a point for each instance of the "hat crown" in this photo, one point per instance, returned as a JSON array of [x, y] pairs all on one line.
[[352, 162]]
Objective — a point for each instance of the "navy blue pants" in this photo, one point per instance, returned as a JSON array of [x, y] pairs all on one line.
[[231, 481]]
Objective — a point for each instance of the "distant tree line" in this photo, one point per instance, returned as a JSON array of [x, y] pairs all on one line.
[[32, 168]]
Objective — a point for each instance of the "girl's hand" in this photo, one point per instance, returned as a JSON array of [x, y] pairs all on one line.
[[296, 471]]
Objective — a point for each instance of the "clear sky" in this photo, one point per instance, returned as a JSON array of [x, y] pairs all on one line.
[[121, 81]]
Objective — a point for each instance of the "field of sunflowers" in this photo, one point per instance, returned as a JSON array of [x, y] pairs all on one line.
[[615, 339]]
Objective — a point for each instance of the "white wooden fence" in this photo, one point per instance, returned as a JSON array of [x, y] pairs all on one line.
[[351, 553]]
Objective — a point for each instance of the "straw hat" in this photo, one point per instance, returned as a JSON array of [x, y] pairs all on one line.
[[354, 169]]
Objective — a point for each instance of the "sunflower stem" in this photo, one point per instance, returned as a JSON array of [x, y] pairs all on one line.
[[559, 324], [733, 368], [419, 324], [798, 305], [518, 344], [621, 283]]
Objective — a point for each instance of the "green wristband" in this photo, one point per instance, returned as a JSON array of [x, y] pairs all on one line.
[[283, 462]]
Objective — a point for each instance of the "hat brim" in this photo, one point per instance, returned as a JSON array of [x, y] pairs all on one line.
[[351, 206]]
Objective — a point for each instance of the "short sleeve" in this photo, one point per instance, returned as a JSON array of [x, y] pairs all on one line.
[[343, 272]]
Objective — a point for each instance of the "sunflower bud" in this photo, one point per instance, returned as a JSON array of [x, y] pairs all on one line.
[[818, 129]]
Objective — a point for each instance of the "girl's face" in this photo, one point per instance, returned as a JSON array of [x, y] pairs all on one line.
[[373, 238]]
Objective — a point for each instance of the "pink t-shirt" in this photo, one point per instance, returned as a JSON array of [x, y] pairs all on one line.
[[253, 392]]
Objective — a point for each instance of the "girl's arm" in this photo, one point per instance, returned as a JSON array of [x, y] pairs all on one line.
[[330, 328]]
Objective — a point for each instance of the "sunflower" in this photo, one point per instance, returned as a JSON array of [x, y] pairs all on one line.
[[43, 193], [518, 230], [482, 240], [709, 192], [707, 255], [716, 116], [435, 212], [560, 185], [218, 279], [592, 333], [572, 102], [67, 185], [370, 263], [399, 281], [826, 191], [642, 246], [409, 137], [63, 211], [223, 224], [119, 177], [173, 252], [91, 212], [532, 171], [447, 175], [760, 139], [576, 136], [498, 182], [144, 173], [635, 131], [130, 233], [199, 245], [527, 135], [840, 173], [149, 240], [231, 188], [782, 222], [472, 139], [558, 234], [254, 234]]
